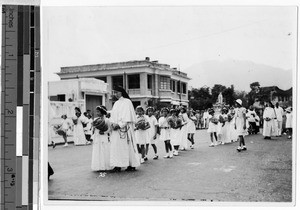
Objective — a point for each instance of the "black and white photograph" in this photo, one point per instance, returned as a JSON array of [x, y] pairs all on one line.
[[189, 104]]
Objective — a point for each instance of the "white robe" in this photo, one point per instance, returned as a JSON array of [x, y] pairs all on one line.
[[101, 151], [79, 137], [123, 145], [268, 125], [184, 131]]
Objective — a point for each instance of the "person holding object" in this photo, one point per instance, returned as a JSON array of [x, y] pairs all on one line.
[[240, 124], [101, 145], [268, 117], [152, 131], [141, 132], [123, 144], [165, 132]]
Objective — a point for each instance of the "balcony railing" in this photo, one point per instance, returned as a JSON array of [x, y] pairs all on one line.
[[134, 91], [139, 92]]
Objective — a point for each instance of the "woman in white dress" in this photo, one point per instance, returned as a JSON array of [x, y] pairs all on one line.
[[268, 117], [123, 152], [78, 120], [101, 145]]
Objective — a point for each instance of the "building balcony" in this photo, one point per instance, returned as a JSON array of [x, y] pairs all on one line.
[[139, 92]]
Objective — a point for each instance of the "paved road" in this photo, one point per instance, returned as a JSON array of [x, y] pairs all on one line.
[[263, 173]]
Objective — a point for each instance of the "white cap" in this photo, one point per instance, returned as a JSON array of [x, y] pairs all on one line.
[[239, 101]]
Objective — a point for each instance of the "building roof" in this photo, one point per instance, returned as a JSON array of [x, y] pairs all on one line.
[[277, 91], [121, 65]]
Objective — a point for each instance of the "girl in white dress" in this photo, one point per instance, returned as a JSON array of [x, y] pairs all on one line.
[[212, 127], [225, 127], [165, 132], [232, 131], [78, 120], [101, 144], [152, 131], [175, 127], [289, 122], [191, 127], [183, 131], [141, 132], [240, 124]]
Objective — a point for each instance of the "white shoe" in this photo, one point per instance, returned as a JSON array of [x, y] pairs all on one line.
[[175, 153], [192, 146], [65, 145], [167, 156], [211, 145], [142, 160]]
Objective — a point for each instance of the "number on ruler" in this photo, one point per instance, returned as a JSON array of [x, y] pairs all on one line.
[[36, 54], [9, 111]]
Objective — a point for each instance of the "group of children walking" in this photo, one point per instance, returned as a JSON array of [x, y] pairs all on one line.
[[175, 127], [228, 126]]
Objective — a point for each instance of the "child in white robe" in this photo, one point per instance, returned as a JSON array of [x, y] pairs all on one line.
[[212, 127], [141, 133], [268, 117], [79, 120], [101, 144], [165, 132], [152, 131], [289, 122], [240, 124], [191, 127]]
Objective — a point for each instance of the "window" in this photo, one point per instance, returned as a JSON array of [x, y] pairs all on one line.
[[173, 85], [134, 81], [149, 81], [102, 78], [178, 86], [117, 81], [184, 88], [164, 83]]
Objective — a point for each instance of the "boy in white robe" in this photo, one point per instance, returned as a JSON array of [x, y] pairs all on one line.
[[268, 116]]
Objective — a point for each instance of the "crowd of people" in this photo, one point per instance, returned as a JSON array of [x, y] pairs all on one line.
[[121, 138]]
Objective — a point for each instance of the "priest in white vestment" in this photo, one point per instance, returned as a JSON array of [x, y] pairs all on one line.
[[123, 151], [268, 117]]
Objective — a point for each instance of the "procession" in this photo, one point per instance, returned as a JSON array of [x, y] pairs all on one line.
[[122, 137]]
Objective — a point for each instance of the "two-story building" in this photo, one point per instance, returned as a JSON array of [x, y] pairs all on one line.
[[148, 83]]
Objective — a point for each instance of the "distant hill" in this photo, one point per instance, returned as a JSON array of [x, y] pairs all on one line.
[[238, 73]]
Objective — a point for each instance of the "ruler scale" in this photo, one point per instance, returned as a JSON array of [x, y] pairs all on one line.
[[20, 106]]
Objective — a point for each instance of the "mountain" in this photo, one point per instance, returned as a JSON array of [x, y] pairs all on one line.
[[239, 73]]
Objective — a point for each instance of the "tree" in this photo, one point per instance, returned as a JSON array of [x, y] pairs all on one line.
[[216, 90], [200, 98], [228, 95]]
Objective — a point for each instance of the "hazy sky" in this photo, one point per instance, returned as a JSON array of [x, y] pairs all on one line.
[[179, 36]]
